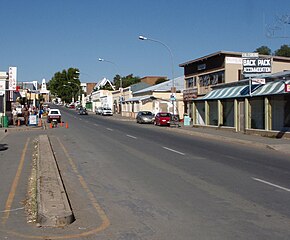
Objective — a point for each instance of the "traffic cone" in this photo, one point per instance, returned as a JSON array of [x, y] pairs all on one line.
[[18, 123], [50, 125], [66, 125], [61, 124]]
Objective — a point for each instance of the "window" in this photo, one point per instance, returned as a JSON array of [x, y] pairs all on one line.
[[190, 82], [211, 79]]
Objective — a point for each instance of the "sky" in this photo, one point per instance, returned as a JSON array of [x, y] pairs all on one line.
[[42, 37]]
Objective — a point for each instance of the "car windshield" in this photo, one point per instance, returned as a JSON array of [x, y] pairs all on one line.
[[147, 113], [107, 108], [164, 114], [54, 112]]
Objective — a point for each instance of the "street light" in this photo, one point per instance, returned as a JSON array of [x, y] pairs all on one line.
[[143, 38], [104, 60]]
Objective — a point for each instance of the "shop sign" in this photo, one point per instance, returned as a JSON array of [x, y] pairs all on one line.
[[258, 81], [254, 66], [12, 78], [189, 94]]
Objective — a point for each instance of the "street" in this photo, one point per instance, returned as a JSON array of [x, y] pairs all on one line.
[[131, 181]]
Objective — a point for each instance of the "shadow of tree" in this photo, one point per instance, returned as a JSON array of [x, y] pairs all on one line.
[[3, 147]]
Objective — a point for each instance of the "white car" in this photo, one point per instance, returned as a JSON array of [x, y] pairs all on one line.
[[107, 111], [54, 114]]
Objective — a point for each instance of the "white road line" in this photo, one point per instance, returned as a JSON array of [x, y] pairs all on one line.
[[172, 150], [109, 129], [271, 184], [96, 125], [130, 136]]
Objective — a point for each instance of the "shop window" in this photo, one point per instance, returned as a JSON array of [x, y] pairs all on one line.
[[190, 82], [211, 79]]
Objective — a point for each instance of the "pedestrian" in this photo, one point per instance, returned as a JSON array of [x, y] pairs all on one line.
[[14, 116], [25, 113]]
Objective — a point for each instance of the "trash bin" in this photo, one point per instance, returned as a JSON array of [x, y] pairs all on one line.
[[5, 121], [186, 121]]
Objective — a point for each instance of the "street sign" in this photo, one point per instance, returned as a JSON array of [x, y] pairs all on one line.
[[12, 78], [250, 55], [258, 81]]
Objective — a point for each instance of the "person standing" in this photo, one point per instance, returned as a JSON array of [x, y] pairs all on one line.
[[25, 113], [14, 116]]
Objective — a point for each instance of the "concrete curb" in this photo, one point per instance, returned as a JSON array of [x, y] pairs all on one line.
[[53, 206]]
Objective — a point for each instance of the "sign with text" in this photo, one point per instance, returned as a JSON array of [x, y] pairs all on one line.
[[255, 66], [258, 81], [287, 87], [12, 78]]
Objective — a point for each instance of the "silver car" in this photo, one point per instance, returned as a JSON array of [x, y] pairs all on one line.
[[145, 117], [107, 111]]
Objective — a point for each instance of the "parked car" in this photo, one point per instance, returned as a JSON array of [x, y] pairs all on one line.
[[162, 119], [107, 111], [145, 117], [54, 114], [99, 110]]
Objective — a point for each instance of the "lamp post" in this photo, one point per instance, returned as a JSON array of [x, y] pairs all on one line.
[[104, 60], [173, 90]]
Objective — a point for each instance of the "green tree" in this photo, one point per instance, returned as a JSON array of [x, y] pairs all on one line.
[[65, 84], [283, 51], [263, 50], [126, 81]]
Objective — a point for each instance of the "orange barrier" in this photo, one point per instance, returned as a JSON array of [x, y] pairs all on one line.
[[18, 123], [66, 125]]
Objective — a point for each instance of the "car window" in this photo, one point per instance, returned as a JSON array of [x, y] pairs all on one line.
[[164, 114], [54, 112]]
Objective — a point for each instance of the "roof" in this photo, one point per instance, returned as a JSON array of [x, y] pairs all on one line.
[[238, 54], [165, 86], [139, 86], [137, 99], [102, 83]]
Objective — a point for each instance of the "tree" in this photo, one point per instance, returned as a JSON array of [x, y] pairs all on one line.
[[126, 81], [283, 51], [263, 50], [65, 84]]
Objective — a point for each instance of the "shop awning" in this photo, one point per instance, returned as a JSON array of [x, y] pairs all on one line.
[[270, 88]]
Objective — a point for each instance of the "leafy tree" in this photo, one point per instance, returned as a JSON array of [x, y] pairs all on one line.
[[263, 50], [283, 51], [65, 84], [126, 81]]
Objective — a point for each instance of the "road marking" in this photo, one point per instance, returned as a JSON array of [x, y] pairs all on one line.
[[109, 129], [172, 150], [130, 136], [271, 184], [96, 125], [14, 184]]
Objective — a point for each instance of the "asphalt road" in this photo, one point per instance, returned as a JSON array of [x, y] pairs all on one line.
[[131, 181]]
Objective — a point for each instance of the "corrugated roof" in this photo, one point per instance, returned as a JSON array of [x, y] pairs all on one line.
[[165, 86]]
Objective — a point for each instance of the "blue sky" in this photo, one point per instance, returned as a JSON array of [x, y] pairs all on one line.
[[41, 37]]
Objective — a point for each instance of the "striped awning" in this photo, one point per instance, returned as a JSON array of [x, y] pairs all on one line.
[[228, 92], [271, 88]]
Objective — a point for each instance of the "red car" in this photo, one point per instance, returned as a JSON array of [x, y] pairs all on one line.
[[162, 119]]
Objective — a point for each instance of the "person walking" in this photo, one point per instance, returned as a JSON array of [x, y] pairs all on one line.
[[25, 113], [14, 116]]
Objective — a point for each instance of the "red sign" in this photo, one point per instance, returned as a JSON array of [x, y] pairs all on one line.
[[287, 87]]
